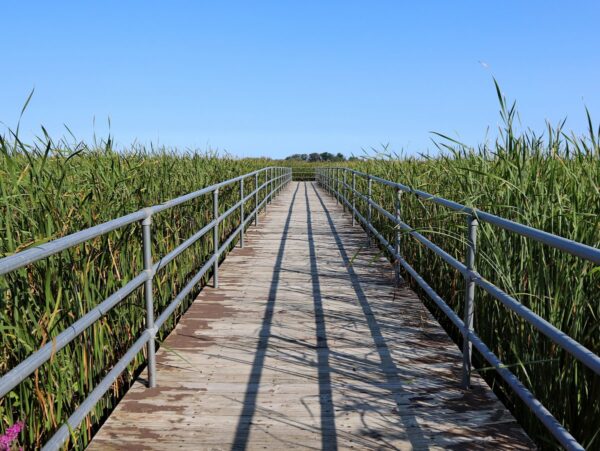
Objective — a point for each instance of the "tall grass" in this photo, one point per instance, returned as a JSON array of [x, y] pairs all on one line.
[[550, 182], [49, 190]]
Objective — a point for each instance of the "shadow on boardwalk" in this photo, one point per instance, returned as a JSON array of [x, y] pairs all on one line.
[[387, 365], [249, 404], [307, 345]]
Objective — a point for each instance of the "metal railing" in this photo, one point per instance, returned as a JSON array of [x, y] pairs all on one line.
[[275, 178], [335, 180]]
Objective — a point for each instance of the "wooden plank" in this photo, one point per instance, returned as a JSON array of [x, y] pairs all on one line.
[[308, 345]]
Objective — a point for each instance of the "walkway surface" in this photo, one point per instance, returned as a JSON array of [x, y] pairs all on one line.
[[308, 345]]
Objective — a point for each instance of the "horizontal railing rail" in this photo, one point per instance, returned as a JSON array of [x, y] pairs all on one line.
[[275, 178], [335, 181], [572, 247]]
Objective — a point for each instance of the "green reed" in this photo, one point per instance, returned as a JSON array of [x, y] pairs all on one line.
[[550, 182], [49, 190]]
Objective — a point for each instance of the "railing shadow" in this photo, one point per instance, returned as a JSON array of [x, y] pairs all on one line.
[[381, 363], [249, 404], [328, 430], [386, 362]]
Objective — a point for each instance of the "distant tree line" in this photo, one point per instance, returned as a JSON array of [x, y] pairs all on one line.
[[316, 157]]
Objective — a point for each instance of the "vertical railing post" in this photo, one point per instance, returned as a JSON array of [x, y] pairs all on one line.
[[242, 212], [216, 238], [331, 182], [266, 199], [337, 185], [345, 191], [271, 185], [256, 199], [353, 199], [149, 298], [331, 179], [472, 224], [369, 209], [398, 201]]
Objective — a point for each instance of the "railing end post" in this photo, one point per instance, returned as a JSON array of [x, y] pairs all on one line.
[[242, 212], [469, 310], [369, 207], [353, 199], [398, 237], [149, 297], [216, 238], [256, 199]]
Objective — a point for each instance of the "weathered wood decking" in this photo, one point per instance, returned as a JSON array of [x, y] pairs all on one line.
[[308, 345]]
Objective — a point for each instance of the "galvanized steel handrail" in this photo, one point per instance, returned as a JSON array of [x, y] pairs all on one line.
[[275, 179], [572, 247], [338, 186]]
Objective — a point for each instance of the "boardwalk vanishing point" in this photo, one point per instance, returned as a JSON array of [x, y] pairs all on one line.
[[307, 344]]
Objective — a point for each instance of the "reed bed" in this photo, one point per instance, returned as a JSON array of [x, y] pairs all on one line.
[[48, 190], [550, 182], [51, 189]]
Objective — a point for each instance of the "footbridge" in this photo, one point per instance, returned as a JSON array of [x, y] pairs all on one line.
[[306, 336]]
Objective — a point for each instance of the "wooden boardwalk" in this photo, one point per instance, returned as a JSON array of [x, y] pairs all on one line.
[[308, 345]]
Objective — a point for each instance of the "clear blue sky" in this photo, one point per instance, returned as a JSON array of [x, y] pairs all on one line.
[[282, 77]]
